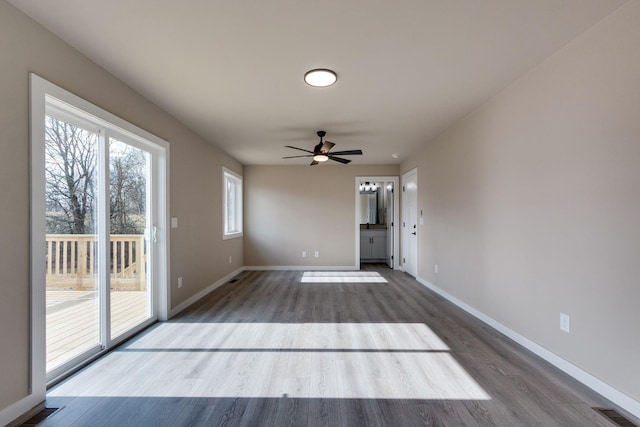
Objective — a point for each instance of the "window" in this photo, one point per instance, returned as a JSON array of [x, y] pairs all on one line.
[[232, 191]]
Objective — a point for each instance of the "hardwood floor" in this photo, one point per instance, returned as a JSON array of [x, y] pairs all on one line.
[[335, 349]]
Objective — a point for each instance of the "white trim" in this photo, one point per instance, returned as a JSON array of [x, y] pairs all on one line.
[[302, 267], [396, 216], [37, 351], [195, 298], [20, 411], [239, 202], [619, 398], [163, 300]]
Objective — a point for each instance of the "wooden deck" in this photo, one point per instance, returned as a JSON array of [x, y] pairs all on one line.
[[72, 320]]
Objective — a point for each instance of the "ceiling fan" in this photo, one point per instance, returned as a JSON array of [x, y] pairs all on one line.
[[321, 152]]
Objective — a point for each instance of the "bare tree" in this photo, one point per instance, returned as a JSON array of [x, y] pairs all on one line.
[[71, 160], [127, 174], [71, 181]]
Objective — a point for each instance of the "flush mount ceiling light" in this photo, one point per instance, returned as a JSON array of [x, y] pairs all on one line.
[[320, 77]]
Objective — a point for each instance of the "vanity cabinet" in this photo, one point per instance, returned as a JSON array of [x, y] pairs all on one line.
[[373, 245]]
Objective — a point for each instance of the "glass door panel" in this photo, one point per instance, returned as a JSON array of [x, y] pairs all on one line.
[[129, 187], [98, 186], [72, 261]]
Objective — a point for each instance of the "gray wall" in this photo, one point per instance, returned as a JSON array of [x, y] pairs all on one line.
[[290, 209], [197, 250], [532, 203]]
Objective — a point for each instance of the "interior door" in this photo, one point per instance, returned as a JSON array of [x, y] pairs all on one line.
[[390, 224], [410, 222]]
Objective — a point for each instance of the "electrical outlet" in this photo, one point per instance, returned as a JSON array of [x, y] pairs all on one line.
[[179, 282], [229, 259], [174, 222], [316, 254], [304, 254], [435, 268], [565, 323]]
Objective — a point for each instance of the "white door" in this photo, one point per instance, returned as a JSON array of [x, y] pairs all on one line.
[[390, 224], [410, 222]]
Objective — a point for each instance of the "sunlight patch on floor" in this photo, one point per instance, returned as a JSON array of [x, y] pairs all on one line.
[[270, 360], [282, 336], [342, 277]]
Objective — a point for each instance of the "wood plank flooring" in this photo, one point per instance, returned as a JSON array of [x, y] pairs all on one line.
[[338, 350]]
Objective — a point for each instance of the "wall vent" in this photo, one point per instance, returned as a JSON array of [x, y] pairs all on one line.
[[615, 417]]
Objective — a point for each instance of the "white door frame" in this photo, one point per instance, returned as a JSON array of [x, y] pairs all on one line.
[[40, 89], [409, 225], [396, 217]]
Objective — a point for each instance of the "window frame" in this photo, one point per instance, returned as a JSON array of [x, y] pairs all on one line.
[[227, 176]]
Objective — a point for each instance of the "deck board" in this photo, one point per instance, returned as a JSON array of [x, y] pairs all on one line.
[[72, 320]]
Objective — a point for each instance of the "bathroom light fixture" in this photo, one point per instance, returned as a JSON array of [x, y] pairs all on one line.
[[320, 77], [368, 186]]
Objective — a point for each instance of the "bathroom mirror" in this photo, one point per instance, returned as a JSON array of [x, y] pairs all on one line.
[[368, 207]]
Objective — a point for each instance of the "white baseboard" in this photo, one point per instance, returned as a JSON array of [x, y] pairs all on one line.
[[186, 303], [301, 267], [22, 410], [619, 398]]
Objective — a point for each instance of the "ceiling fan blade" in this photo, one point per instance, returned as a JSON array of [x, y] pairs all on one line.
[[301, 149], [347, 153], [293, 157], [339, 159], [326, 146], [314, 163]]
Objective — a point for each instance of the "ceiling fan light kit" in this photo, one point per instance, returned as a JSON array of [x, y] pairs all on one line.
[[320, 77], [321, 152]]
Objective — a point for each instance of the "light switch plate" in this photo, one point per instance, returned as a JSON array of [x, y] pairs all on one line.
[[565, 323]]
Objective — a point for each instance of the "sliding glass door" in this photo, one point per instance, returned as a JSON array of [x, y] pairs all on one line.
[[72, 239], [103, 193], [129, 186]]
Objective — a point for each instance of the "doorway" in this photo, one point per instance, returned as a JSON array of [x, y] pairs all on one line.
[[99, 197], [377, 234], [409, 222]]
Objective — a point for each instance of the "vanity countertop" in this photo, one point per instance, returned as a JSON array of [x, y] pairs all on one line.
[[373, 226]]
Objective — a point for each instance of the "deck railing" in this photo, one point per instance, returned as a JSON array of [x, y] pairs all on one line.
[[72, 262]]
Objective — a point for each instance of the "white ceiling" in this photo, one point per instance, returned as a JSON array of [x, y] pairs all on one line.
[[233, 70]]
